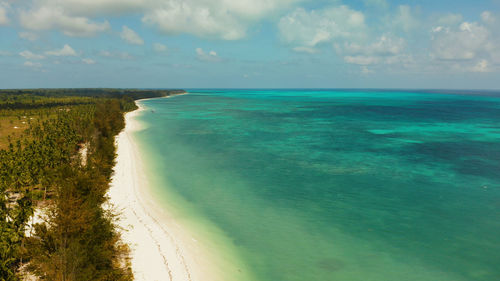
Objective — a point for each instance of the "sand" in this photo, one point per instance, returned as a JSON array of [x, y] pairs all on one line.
[[161, 248]]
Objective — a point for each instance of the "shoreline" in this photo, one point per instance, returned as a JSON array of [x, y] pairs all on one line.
[[160, 248]]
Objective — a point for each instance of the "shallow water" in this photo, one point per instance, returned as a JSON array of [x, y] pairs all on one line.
[[337, 185]]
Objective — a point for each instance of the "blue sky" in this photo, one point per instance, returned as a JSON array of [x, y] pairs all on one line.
[[250, 44]]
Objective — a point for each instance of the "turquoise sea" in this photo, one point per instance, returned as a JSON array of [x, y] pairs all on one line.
[[335, 185]]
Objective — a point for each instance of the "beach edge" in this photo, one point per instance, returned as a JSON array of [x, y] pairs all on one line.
[[160, 249]]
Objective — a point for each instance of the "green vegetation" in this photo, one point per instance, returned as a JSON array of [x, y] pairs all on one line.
[[42, 133]]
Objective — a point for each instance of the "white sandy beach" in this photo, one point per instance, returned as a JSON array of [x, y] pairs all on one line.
[[161, 249]]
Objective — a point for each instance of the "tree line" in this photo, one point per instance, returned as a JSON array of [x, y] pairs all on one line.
[[77, 239]]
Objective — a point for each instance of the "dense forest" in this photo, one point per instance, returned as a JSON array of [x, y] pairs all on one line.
[[56, 158]]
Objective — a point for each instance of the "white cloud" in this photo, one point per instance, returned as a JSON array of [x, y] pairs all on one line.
[[47, 18], [187, 17], [210, 56], [116, 55], [131, 36], [450, 19], [88, 61], [106, 54], [32, 64], [454, 43], [467, 46], [462, 43], [31, 56], [366, 70], [309, 50], [303, 28], [488, 18], [405, 19], [386, 49], [159, 47], [495, 55], [481, 66], [65, 51], [223, 19], [362, 60], [92, 8], [28, 35], [384, 46], [4, 19]]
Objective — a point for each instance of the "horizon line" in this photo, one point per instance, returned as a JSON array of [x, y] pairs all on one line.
[[265, 88]]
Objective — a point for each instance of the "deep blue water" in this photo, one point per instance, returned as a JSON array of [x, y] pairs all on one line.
[[339, 184]]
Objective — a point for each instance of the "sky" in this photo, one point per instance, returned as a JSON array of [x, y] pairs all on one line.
[[451, 44]]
